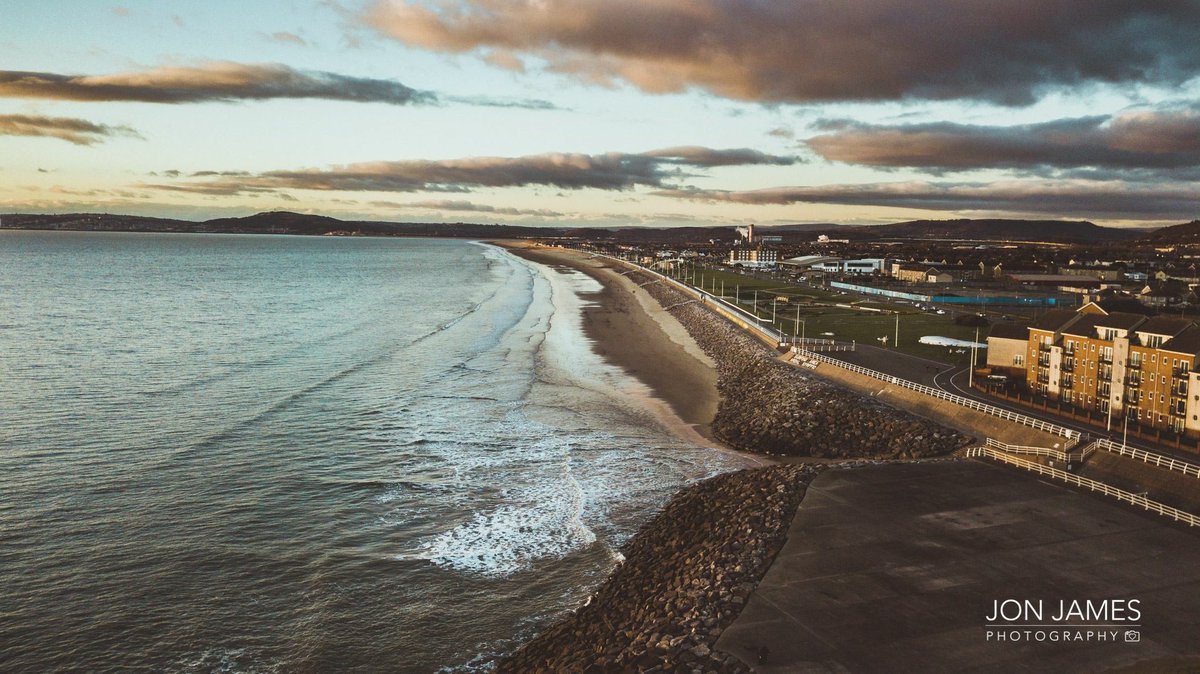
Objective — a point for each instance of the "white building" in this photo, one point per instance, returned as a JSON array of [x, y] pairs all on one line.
[[863, 266], [753, 257]]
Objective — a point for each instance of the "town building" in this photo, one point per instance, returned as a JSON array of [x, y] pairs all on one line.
[[1118, 364], [1006, 349], [864, 266], [753, 257]]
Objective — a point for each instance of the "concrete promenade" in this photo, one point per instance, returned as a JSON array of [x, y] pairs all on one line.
[[895, 568]]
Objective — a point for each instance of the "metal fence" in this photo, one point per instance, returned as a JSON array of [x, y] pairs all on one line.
[[1060, 454], [969, 403], [1120, 494], [1150, 457]]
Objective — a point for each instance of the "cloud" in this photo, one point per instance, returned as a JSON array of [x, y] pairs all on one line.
[[467, 207], [1148, 139], [1072, 198], [694, 155], [221, 81], [609, 171], [77, 131], [284, 37], [817, 50]]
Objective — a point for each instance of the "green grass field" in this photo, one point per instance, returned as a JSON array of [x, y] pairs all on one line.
[[818, 315]]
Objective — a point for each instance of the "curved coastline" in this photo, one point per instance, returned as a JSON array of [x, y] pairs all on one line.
[[630, 330], [688, 572]]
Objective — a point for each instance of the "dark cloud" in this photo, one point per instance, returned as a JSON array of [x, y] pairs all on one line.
[[77, 131], [817, 50], [610, 171], [467, 207], [1070, 198], [218, 81], [1150, 139]]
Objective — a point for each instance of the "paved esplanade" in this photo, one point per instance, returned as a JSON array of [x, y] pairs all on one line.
[[896, 568]]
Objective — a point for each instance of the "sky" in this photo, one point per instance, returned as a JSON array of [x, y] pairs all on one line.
[[604, 112]]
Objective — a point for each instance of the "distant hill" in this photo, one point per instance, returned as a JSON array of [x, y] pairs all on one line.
[[286, 222], [276, 221], [273, 222], [1054, 231], [1188, 232]]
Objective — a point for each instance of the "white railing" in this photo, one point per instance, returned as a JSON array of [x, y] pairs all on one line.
[[1071, 478], [752, 322], [1150, 457], [1026, 449], [1060, 454], [948, 397]]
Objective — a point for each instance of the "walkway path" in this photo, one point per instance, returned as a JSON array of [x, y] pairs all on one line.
[[895, 568]]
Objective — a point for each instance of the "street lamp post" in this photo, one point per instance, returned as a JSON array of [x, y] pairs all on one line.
[[971, 375]]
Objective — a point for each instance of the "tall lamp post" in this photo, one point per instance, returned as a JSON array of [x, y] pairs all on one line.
[[971, 374]]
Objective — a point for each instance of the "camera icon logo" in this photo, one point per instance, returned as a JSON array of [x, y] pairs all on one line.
[[1132, 636]]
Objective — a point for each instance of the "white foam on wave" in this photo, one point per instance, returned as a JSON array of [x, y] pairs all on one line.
[[536, 523], [222, 661]]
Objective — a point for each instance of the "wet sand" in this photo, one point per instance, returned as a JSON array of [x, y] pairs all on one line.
[[631, 330]]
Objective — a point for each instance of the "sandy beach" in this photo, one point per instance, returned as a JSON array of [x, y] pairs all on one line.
[[627, 328]]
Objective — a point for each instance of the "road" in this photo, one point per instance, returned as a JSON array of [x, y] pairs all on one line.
[[954, 380]]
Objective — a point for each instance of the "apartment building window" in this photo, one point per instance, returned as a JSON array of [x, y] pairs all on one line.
[[1019, 360]]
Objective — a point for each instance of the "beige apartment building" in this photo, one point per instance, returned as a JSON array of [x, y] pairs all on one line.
[[1115, 363]]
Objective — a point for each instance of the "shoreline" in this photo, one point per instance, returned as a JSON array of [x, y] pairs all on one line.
[[689, 571], [629, 329]]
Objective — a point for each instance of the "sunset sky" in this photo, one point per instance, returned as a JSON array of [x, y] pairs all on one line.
[[605, 112]]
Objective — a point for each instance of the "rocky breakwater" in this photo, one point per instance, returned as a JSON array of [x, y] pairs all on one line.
[[770, 407], [686, 575]]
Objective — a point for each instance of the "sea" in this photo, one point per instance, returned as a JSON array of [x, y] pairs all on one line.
[[249, 454]]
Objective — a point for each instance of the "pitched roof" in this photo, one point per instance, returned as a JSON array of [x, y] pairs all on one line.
[[1010, 331], [1085, 326], [1165, 325], [1187, 341], [1054, 320], [1120, 320]]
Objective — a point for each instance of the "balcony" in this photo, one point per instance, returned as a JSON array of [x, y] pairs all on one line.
[[1068, 365], [1106, 359], [1042, 346], [1134, 364], [1133, 382], [1179, 373]]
